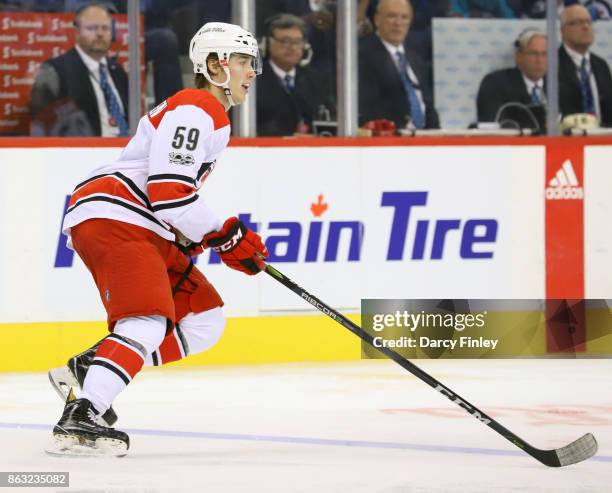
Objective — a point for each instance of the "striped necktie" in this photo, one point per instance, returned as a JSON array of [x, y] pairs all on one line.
[[112, 104], [535, 95], [289, 83], [416, 113], [585, 88]]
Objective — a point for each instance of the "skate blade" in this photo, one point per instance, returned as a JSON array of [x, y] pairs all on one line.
[[62, 381], [71, 445]]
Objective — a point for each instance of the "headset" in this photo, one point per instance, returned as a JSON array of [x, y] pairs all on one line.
[[268, 28], [108, 7]]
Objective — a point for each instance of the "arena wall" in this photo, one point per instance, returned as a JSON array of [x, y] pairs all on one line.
[[346, 218]]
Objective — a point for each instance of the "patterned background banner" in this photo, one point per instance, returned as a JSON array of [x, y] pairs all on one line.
[[465, 50]]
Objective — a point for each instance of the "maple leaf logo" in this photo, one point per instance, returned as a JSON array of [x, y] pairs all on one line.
[[319, 207]]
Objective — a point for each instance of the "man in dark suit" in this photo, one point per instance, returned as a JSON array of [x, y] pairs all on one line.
[[392, 81], [585, 82], [82, 92], [290, 95], [504, 94]]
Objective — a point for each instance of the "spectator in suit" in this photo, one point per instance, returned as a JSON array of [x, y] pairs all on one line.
[[83, 85], [290, 94], [523, 84], [392, 80], [585, 82]]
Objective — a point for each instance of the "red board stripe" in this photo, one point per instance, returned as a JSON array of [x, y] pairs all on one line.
[[564, 196]]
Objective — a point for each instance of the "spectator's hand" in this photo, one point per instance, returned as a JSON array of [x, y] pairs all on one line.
[[321, 20]]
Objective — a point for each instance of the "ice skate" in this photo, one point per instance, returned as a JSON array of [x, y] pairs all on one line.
[[78, 432], [73, 375]]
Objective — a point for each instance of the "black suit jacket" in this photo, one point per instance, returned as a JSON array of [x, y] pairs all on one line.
[[278, 111], [76, 86], [570, 97], [498, 88], [381, 93]]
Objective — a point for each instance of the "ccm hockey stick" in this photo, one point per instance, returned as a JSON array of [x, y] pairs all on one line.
[[577, 451]]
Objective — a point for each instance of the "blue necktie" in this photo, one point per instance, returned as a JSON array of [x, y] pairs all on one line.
[[112, 105], [418, 118], [289, 83], [585, 88], [535, 97]]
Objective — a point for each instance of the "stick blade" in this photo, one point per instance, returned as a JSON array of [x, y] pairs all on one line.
[[582, 449]]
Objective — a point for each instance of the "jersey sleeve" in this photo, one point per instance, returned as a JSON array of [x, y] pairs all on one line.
[[180, 145]]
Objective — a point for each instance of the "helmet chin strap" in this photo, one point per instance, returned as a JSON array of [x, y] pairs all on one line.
[[223, 85], [228, 95]]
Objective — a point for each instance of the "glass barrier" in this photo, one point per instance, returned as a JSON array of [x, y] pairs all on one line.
[[63, 69], [491, 73], [423, 65], [64, 65]]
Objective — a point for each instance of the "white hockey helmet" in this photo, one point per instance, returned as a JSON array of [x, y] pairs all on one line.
[[223, 40]]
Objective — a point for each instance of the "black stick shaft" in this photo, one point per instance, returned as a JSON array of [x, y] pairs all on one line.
[[543, 456]]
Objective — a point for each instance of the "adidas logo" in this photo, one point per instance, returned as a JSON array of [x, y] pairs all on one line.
[[564, 186]]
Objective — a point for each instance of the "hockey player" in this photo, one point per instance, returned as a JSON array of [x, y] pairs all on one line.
[[134, 224]]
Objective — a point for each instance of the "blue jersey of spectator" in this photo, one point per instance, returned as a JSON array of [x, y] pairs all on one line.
[[536, 9], [482, 8]]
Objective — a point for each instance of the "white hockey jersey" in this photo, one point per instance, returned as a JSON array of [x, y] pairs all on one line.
[[155, 181]]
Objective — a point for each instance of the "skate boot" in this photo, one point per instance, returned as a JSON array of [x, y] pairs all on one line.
[[73, 375], [78, 432]]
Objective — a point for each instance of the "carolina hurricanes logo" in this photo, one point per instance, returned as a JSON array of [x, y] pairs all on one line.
[[208, 170]]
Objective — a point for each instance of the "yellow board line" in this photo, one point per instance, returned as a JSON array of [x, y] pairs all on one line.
[[246, 340]]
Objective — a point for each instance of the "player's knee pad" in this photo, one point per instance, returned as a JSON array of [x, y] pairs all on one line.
[[147, 331], [202, 330]]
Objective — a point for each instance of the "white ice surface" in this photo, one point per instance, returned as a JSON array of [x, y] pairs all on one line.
[[360, 427]]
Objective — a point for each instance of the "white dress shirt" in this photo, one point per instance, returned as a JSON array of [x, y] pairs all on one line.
[[577, 59], [93, 66]]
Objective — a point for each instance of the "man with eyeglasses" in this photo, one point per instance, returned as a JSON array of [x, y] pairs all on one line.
[[290, 95], [392, 79], [585, 81], [83, 92], [519, 91]]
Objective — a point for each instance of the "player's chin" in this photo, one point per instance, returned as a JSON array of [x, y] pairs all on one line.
[[240, 95]]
